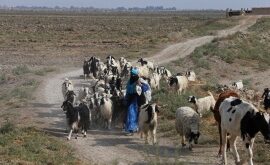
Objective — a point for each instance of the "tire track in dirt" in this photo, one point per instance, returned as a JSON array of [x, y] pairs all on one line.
[[107, 147]]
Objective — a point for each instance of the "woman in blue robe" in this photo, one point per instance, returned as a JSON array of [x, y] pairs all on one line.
[[132, 96]]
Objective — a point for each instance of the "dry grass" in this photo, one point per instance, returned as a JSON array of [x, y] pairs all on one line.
[[38, 36]]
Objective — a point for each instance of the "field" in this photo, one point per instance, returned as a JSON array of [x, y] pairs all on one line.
[[37, 45]]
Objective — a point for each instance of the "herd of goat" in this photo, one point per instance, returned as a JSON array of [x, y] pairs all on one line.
[[104, 101]]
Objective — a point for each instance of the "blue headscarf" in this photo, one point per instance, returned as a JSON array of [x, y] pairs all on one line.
[[134, 71]]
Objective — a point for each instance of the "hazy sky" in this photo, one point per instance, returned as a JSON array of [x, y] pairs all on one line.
[[179, 4]]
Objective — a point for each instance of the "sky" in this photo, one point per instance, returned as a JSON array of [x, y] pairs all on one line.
[[179, 4]]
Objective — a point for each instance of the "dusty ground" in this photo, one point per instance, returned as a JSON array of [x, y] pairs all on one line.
[[107, 147]]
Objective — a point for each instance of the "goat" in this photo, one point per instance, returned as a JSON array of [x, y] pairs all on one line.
[[203, 104], [66, 86], [148, 121], [77, 117], [180, 82]]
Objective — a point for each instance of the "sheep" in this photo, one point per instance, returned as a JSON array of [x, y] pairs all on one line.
[[66, 86], [191, 76], [180, 83], [106, 109], [187, 124], [203, 104], [222, 96], [240, 118], [148, 121]]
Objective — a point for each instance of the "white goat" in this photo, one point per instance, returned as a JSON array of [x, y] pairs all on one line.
[[106, 110], [148, 121], [191, 76], [83, 94], [187, 124], [122, 62], [154, 80], [238, 85], [66, 86], [203, 104], [144, 71]]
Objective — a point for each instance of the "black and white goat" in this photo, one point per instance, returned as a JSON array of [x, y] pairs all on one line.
[[180, 83], [149, 64], [240, 118], [86, 68], [203, 104], [77, 117], [70, 96], [148, 121], [93, 62]]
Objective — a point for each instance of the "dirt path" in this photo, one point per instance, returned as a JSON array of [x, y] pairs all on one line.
[[107, 147], [183, 49]]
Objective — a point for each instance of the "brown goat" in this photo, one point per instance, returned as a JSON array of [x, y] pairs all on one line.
[[221, 98]]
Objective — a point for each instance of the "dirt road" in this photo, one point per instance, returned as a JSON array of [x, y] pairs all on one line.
[[113, 147]]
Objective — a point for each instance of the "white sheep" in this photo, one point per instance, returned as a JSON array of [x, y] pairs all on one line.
[[180, 83], [187, 125], [148, 121], [203, 104], [66, 86]]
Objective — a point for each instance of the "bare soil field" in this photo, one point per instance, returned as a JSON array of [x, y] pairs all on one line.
[[50, 53]]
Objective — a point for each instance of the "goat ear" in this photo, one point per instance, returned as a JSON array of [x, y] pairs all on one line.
[[157, 108]]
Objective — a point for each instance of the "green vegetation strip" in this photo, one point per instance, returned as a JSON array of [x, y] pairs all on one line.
[[30, 146], [251, 46]]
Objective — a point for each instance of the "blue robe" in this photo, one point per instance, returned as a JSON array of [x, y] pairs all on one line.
[[131, 124]]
